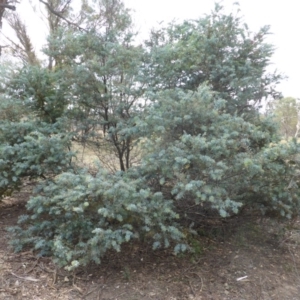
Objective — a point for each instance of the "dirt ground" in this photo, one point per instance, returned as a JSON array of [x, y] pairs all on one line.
[[246, 258]]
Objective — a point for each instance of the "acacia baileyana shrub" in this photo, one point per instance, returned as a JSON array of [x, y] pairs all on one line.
[[195, 155], [201, 153], [78, 217]]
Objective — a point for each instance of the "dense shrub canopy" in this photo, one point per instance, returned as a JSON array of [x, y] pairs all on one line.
[[78, 217], [206, 155], [187, 100], [217, 49]]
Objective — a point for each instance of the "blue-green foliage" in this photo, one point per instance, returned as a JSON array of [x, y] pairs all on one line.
[[205, 146], [31, 149], [78, 217], [217, 49], [101, 70], [200, 154], [34, 142], [42, 91], [204, 154]]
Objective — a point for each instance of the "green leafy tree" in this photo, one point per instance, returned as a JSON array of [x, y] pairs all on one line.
[[200, 160]]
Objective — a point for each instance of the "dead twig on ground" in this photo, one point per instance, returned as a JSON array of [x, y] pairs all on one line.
[[28, 278], [294, 261], [190, 284], [33, 267]]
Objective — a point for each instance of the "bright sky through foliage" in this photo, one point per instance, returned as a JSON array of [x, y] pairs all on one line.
[[281, 15]]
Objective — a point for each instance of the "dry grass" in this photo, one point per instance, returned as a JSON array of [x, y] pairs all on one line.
[[89, 157], [85, 156]]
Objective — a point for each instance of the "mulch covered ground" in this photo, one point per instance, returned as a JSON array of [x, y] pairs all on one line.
[[242, 259]]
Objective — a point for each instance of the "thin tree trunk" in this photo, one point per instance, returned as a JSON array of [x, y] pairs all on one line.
[[298, 117]]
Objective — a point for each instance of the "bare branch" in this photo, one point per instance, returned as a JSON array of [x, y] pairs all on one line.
[[12, 7], [26, 49], [3, 5], [59, 15]]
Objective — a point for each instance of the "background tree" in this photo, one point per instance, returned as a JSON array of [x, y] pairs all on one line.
[[286, 114], [58, 12], [298, 117], [42, 90]]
